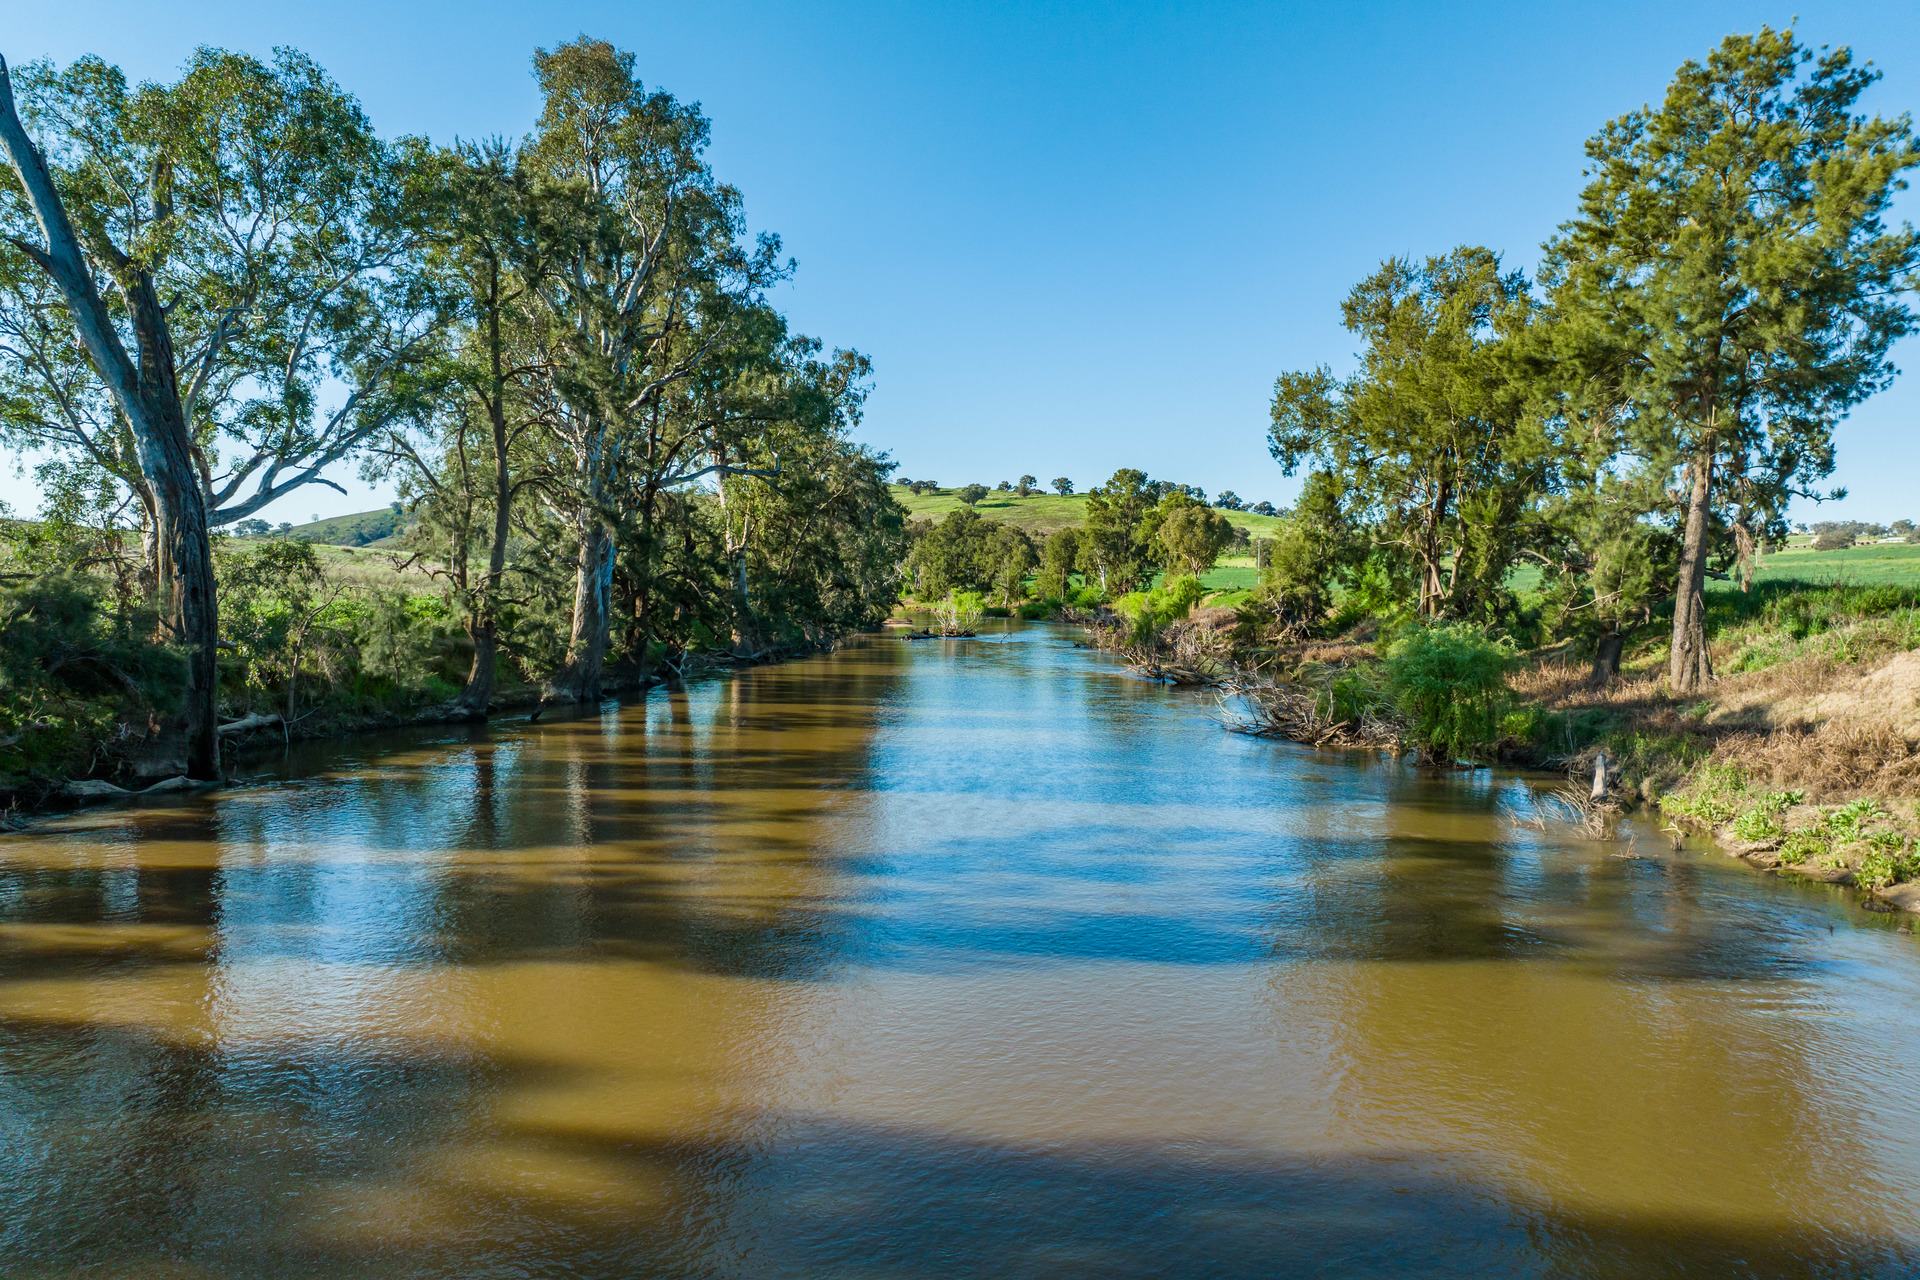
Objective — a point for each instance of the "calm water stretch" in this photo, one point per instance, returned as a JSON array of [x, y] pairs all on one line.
[[925, 960]]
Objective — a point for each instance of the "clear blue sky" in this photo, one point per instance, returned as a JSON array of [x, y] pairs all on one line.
[[1074, 236]]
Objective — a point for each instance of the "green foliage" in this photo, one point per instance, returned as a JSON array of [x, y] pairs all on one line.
[[963, 552], [1757, 824], [1714, 795], [1190, 537], [72, 666], [1801, 845], [1115, 546], [1891, 858], [1357, 693], [1450, 681], [960, 612], [1848, 821], [1087, 598], [1727, 292], [1312, 550], [1149, 612], [1057, 561], [1429, 443]]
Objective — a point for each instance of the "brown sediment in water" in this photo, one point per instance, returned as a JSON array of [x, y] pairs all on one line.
[[917, 961]]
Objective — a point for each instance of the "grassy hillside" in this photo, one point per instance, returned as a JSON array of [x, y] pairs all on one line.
[[1038, 513], [365, 528]]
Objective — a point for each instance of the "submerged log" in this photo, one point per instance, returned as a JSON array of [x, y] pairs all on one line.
[[246, 724]]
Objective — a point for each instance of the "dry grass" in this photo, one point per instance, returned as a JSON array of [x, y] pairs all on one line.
[[1834, 760]]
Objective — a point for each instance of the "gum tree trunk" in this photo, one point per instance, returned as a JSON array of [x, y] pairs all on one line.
[[578, 680], [1688, 669], [483, 619], [148, 394]]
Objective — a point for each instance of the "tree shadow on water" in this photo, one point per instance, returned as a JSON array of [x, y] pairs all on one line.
[[342, 1161]]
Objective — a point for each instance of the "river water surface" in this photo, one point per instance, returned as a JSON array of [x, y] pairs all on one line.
[[926, 960]]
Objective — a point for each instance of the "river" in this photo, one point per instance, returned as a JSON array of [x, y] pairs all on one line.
[[930, 959]]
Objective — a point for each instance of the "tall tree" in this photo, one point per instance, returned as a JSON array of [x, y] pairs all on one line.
[[1429, 438], [222, 248], [487, 257], [1732, 277], [1190, 535], [650, 279]]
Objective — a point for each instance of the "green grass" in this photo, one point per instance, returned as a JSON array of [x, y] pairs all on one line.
[[1892, 564], [363, 528], [1234, 573], [1039, 513], [1895, 564]]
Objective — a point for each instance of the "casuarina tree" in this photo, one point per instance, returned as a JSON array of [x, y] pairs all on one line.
[[1731, 277]]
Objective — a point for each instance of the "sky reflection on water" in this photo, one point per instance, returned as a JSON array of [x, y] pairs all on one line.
[[919, 959]]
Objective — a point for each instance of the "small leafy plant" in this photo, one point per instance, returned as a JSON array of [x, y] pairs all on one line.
[[1451, 681]]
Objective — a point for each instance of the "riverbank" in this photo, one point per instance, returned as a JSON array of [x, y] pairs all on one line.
[[1803, 757], [140, 767]]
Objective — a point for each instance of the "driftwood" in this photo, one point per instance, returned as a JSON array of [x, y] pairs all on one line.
[[1302, 713], [95, 789], [246, 724]]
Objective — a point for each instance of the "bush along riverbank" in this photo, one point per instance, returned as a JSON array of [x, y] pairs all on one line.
[[315, 643], [1801, 757]]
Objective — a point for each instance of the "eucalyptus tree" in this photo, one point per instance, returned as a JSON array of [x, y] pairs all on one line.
[[1116, 546], [743, 412], [778, 422], [1057, 561], [194, 262], [649, 278], [470, 466], [1190, 535], [1732, 284], [826, 543], [1430, 439]]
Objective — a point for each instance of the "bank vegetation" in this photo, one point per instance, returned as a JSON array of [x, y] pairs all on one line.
[[614, 456]]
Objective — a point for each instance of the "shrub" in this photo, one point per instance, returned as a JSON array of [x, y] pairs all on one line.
[[1150, 611], [1356, 694], [70, 666], [1089, 597], [1451, 681], [1757, 824], [960, 611]]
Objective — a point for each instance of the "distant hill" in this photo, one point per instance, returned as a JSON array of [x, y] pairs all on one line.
[[1040, 513], [364, 529]]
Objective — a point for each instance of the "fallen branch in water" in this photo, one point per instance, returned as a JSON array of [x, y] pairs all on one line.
[[1301, 713], [247, 724]]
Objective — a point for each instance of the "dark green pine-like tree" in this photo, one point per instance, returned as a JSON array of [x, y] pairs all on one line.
[[1731, 278]]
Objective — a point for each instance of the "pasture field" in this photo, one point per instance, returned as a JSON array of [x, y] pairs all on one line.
[[1038, 513]]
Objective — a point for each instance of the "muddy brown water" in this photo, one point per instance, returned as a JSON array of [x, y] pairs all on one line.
[[961, 958]]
